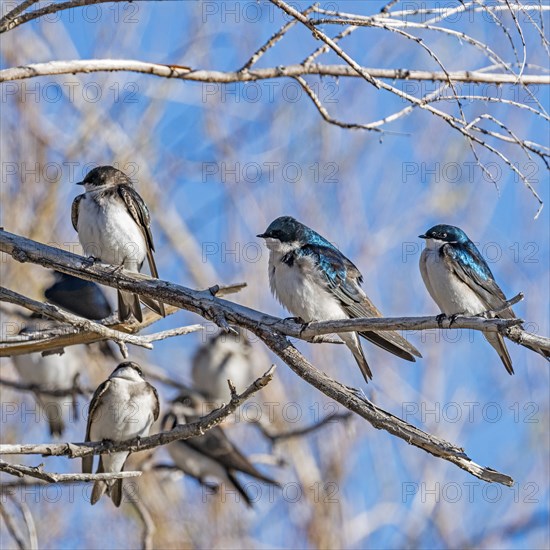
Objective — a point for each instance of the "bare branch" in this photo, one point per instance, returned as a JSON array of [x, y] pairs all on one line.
[[63, 316], [34, 70], [328, 41], [20, 470], [9, 21], [324, 113], [182, 431], [67, 335], [377, 417], [170, 333], [300, 432], [325, 48], [29, 522], [75, 390], [374, 76]]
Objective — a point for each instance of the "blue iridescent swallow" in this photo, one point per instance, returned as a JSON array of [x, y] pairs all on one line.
[[460, 281], [316, 282]]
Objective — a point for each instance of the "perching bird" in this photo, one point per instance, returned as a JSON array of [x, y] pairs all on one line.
[[83, 298], [226, 356], [123, 407], [209, 456], [460, 281], [316, 282], [50, 372], [78, 296], [113, 225]]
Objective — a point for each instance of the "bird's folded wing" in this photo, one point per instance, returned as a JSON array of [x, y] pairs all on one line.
[[156, 408], [343, 280], [87, 461], [217, 446], [74, 211], [140, 213], [470, 267]]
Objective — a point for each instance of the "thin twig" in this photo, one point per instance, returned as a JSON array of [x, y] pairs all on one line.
[[20, 470], [300, 432], [170, 333], [273, 40], [75, 390], [8, 19], [361, 71], [29, 521]]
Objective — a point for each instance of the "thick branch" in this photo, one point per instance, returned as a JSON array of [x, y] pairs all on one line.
[[63, 316], [66, 335], [205, 304], [379, 418], [251, 75]]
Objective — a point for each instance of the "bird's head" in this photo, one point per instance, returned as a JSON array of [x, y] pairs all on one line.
[[104, 176], [443, 233], [129, 371], [286, 233]]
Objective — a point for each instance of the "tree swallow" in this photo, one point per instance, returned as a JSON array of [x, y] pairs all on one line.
[[113, 225], [211, 455], [123, 407], [82, 298], [226, 356], [460, 281], [50, 372], [78, 296], [316, 282]]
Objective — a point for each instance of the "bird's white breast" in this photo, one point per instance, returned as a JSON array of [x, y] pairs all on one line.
[[300, 289], [107, 231], [125, 411], [447, 290]]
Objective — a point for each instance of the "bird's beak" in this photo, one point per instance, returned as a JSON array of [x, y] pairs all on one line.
[[79, 183], [422, 237], [262, 236]]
